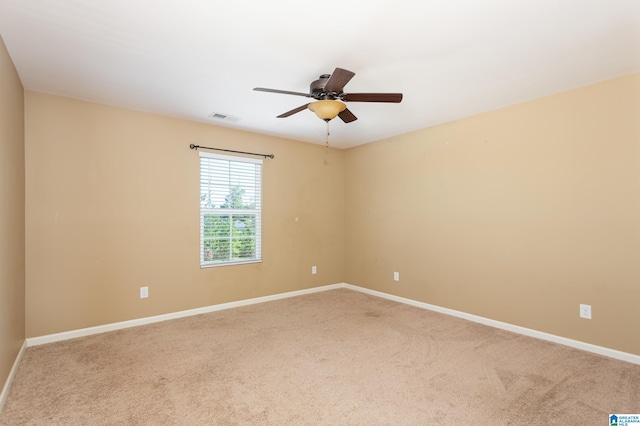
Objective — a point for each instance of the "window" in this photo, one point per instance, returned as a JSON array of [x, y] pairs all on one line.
[[230, 210]]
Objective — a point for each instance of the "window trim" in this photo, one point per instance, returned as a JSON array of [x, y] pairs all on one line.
[[258, 212]]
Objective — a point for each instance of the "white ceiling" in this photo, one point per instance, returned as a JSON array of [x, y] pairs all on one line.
[[191, 58]]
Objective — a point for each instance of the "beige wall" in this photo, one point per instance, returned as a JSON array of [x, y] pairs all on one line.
[[12, 260], [112, 204], [519, 215]]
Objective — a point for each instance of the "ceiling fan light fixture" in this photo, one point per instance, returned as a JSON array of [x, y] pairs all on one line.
[[327, 109]]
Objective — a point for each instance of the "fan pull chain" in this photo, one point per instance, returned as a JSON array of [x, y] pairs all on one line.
[[326, 144]]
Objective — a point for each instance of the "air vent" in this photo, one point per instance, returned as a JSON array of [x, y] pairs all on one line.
[[225, 117]]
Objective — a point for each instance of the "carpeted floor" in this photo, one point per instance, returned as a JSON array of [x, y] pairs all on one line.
[[338, 357]]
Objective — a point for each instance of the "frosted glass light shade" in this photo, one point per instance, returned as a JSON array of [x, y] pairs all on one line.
[[327, 109]]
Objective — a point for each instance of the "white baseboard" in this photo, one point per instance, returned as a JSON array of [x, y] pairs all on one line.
[[12, 374], [611, 353], [50, 338]]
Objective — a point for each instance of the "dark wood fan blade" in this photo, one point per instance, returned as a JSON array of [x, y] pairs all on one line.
[[283, 92], [338, 80], [373, 97], [347, 116], [293, 111]]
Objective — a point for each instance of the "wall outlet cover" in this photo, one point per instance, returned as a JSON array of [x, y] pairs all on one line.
[[585, 311]]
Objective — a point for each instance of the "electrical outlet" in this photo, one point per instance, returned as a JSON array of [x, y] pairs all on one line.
[[585, 311], [396, 276], [314, 270], [144, 292]]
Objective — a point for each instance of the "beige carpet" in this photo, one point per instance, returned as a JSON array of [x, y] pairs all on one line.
[[332, 358]]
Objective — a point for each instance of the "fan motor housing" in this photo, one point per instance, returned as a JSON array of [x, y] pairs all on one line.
[[317, 87]]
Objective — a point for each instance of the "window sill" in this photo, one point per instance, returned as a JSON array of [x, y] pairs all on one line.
[[217, 265]]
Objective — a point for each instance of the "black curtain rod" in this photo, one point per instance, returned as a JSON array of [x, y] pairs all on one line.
[[192, 146]]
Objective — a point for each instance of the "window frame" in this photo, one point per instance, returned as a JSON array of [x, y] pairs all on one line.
[[230, 212]]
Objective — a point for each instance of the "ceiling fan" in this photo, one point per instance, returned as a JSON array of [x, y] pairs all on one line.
[[330, 99]]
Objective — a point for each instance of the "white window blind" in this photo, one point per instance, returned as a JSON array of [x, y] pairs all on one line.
[[230, 210]]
